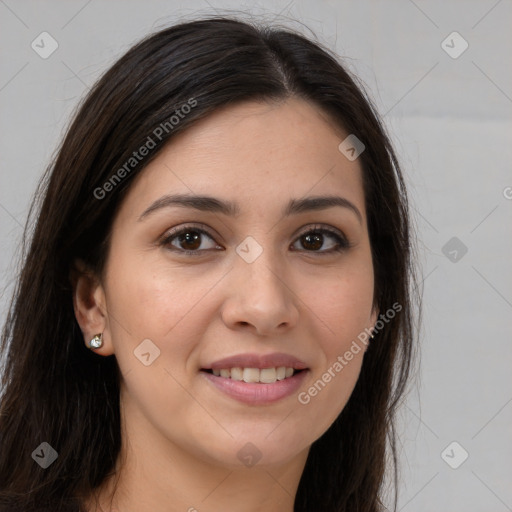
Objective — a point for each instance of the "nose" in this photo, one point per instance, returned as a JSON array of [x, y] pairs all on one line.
[[260, 297]]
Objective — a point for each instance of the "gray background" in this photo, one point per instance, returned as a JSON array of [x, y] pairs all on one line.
[[451, 119]]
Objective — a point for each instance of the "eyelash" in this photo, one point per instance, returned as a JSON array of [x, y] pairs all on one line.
[[342, 243]]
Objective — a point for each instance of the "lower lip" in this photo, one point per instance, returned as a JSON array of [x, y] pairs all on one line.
[[255, 393]]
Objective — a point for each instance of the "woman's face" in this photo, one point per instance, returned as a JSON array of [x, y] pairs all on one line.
[[261, 280]]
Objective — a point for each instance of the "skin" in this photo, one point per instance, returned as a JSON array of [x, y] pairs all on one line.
[[180, 434]]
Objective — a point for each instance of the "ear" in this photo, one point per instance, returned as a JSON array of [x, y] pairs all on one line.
[[89, 304]]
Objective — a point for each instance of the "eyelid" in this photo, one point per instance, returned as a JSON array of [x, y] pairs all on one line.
[[188, 226], [322, 227]]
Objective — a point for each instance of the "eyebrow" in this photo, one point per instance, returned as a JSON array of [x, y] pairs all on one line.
[[230, 208]]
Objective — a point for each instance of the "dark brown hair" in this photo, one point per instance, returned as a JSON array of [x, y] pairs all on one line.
[[55, 390]]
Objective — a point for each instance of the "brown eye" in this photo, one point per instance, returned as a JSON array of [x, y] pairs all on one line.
[[315, 239], [312, 242], [189, 240]]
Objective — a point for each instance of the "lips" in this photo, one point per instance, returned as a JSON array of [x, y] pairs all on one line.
[[256, 394], [257, 379]]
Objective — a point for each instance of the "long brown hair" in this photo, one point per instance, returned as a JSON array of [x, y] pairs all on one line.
[[55, 390]]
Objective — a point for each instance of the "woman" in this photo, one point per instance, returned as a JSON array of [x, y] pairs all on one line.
[[213, 311]]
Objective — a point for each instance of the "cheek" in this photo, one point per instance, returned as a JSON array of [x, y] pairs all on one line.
[[327, 391], [342, 301], [343, 306], [169, 305], [157, 318], [152, 297]]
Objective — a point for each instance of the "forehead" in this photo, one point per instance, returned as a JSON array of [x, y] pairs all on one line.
[[254, 150]]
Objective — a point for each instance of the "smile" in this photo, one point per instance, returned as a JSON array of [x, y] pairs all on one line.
[[264, 375]]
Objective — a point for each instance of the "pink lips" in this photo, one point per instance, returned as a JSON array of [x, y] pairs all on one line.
[[255, 393]]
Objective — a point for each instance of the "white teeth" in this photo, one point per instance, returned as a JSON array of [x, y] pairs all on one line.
[[251, 375], [265, 375], [237, 373], [268, 375]]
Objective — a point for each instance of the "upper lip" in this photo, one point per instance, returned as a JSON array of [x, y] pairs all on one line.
[[260, 361]]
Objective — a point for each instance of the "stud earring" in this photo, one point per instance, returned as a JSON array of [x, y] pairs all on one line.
[[96, 342]]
